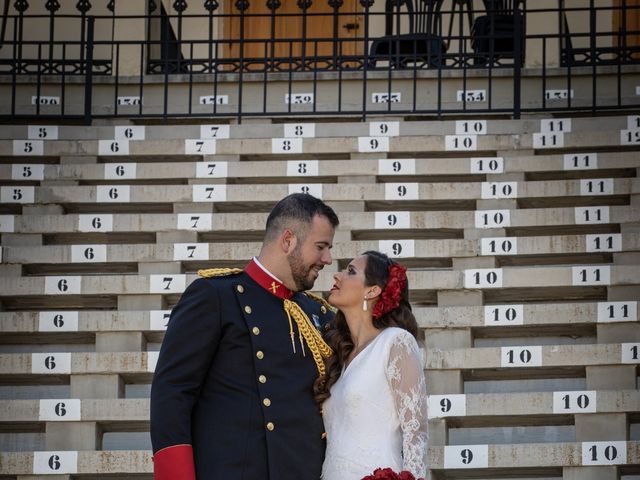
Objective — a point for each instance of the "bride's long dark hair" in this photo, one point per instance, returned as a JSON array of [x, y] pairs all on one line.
[[376, 272]]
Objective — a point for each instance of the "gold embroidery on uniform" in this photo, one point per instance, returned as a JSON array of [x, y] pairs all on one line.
[[274, 287], [317, 346]]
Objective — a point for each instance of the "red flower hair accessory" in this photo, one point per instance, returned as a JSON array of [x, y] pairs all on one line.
[[392, 293], [389, 474]]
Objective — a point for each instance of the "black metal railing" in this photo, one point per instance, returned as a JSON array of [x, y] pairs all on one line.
[[405, 46]]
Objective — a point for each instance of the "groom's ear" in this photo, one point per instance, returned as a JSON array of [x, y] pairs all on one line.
[[288, 241]]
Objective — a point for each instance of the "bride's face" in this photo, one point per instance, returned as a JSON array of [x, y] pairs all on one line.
[[349, 285]]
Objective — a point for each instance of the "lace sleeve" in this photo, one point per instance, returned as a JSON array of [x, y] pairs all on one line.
[[406, 378]]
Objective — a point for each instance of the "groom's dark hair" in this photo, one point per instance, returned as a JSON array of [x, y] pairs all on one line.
[[297, 211]]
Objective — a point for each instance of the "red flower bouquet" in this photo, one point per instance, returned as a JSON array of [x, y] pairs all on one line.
[[389, 474]]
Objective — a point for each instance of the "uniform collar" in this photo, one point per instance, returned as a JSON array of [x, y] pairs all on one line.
[[267, 280]]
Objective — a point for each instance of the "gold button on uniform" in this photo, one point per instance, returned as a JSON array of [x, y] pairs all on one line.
[[323, 309], [270, 426], [259, 354], [247, 309], [262, 379], [255, 330], [266, 402], [240, 288]]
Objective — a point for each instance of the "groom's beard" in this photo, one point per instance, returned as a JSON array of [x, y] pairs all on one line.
[[303, 275]]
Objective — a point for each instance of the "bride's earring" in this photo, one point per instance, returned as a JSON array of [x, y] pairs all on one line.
[[365, 305]]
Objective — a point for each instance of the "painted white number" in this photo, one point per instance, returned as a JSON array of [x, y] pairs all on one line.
[[610, 242], [460, 143], [401, 191], [286, 145], [604, 453], [314, 189], [483, 278], [466, 456], [113, 147], [398, 248], [617, 312], [129, 101], [209, 193], [499, 246], [499, 315], [195, 221], [214, 100], [51, 363], [190, 251], [200, 147], [471, 127], [212, 169], [299, 98], [392, 220], [574, 402], [167, 283], [58, 463], [587, 215], [30, 148], [302, 168], [63, 410], [558, 94], [27, 172], [596, 186], [88, 253], [43, 132], [95, 223], [591, 275], [555, 125], [62, 285], [41, 100], [581, 161], [397, 166], [521, 356], [120, 171], [159, 319], [548, 140], [130, 133], [63, 321], [499, 190], [373, 144], [214, 131], [469, 96], [439, 406], [113, 194], [386, 97], [487, 165], [492, 218], [629, 352], [384, 129], [300, 130]]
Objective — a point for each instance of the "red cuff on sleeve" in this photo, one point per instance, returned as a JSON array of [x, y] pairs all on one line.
[[174, 463]]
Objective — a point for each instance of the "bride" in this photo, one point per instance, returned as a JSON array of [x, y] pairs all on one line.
[[373, 395]]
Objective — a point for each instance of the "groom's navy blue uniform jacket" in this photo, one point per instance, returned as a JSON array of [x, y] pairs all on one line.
[[230, 399]]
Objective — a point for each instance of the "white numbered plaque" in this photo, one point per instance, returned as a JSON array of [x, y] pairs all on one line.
[[590, 275], [499, 246], [302, 168], [63, 321], [7, 223], [398, 248], [617, 312], [555, 125], [604, 453], [502, 315], [95, 223], [314, 189], [130, 133], [471, 96], [386, 97], [299, 98], [401, 191], [27, 172], [17, 194], [530, 356], [500, 190], [483, 278], [113, 194], [55, 463], [384, 129], [460, 143], [387, 220], [195, 221], [214, 131], [120, 171], [113, 147], [200, 147], [492, 218], [212, 170], [596, 186], [286, 145], [630, 352], [214, 100], [397, 166], [209, 193], [30, 148], [88, 253], [300, 130], [190, 251], [152, 361], [587, 215], [439, 406], [548, 140], [62, 410], [574, 402], [373, 144], [51, 363], [466, 456], [487, 165], [62, 285], [607, 242], [43, 132], [167, 283], [159, 319], [471, 127], [580, 161]]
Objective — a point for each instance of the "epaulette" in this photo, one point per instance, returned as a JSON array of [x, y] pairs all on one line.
[[218, 272], [321, 301]]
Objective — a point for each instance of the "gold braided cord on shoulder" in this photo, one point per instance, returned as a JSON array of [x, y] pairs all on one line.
[[321, 301], [218, 272], [317, 346]]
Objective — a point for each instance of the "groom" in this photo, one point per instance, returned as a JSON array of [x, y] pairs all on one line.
[[232, 394]]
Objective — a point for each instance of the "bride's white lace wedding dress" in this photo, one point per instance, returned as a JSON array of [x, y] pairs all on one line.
[[376, 416]]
